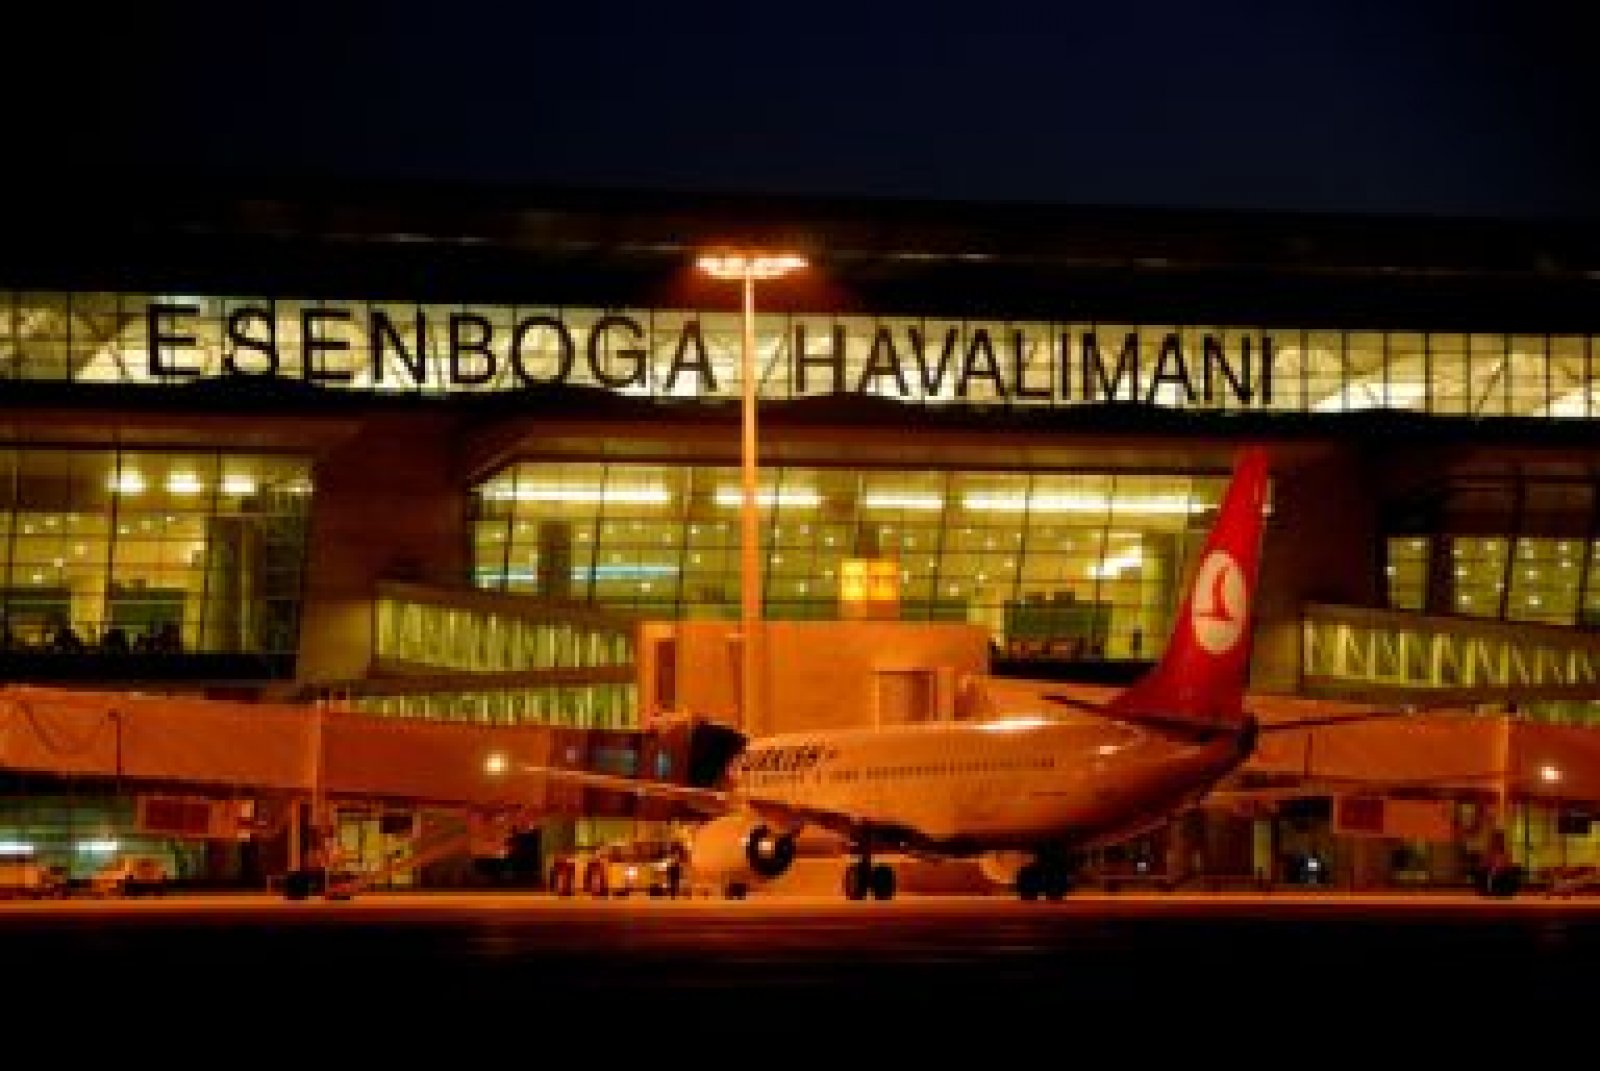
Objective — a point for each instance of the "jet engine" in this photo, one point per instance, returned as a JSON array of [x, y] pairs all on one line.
[[733, 854]]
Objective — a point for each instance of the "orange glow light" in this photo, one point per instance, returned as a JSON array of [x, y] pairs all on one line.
[[869, 580], [755, 265]]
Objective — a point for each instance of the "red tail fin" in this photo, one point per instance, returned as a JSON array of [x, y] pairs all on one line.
[[1200, 679]]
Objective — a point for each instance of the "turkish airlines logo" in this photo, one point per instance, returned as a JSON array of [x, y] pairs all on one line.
[[1219, 603]]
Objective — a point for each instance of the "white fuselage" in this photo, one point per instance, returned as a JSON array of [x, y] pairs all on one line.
[[978, 786]]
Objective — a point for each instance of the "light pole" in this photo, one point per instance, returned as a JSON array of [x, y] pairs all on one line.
[[748, 268]]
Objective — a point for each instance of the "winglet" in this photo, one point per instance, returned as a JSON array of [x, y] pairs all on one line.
[[1201, 677]]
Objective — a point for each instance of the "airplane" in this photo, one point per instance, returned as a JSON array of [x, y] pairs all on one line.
[[1028, 794]]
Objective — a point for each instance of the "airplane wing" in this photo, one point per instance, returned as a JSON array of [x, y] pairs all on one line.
[[1320, 721], [1251, 791], [1088, 706], [703, 802], [1297, 783], [712, 803]]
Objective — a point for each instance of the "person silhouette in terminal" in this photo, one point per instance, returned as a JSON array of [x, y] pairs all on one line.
[[168, 638], [64, 639], [159, 638], [115, 641], [675, 871]]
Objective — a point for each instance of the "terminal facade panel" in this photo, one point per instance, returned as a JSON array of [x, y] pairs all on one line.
[[435, 463]]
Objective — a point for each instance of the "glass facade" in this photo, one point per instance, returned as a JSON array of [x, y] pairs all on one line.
[[152, 551], [144, 338], [1547, 580], [1062, 564], [610, 705], [204, 551], [479, 640], [1512, 546], [593, 658]]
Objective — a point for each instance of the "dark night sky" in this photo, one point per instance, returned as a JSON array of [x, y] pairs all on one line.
[[1463, 108]]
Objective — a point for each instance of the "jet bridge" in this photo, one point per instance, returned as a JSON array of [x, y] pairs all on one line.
[[239, 747], [233, 748]]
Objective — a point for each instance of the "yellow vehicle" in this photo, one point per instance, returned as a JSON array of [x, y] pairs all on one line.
[[129, 876], [29, 880], [621, 868]]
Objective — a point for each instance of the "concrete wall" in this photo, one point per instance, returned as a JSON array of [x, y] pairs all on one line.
[[1322, 545], [830, 674], [386, 505]]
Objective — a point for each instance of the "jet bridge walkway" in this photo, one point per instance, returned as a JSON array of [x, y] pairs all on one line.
[[239, 748]]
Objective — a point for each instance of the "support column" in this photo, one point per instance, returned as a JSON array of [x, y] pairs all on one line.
[[296, 856], [1322, 545], [386, 505]]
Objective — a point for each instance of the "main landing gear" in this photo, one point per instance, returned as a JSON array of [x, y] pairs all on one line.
[[862, 876], [1051, 875]]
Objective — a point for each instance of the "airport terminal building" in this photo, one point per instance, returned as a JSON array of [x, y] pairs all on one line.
[[437, 452]]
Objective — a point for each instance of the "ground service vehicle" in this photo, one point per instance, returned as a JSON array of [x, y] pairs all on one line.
[[129, 876], [621, 868], [27, 879]]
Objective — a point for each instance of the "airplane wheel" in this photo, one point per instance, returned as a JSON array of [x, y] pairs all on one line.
[[856, 881], [883, 882], [1055, 884], [736, 890], [297, 885], [1029, 882]]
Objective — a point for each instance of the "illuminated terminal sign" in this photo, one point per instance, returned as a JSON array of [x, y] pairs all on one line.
[[455, 350], [689, 355], [659, 353]]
